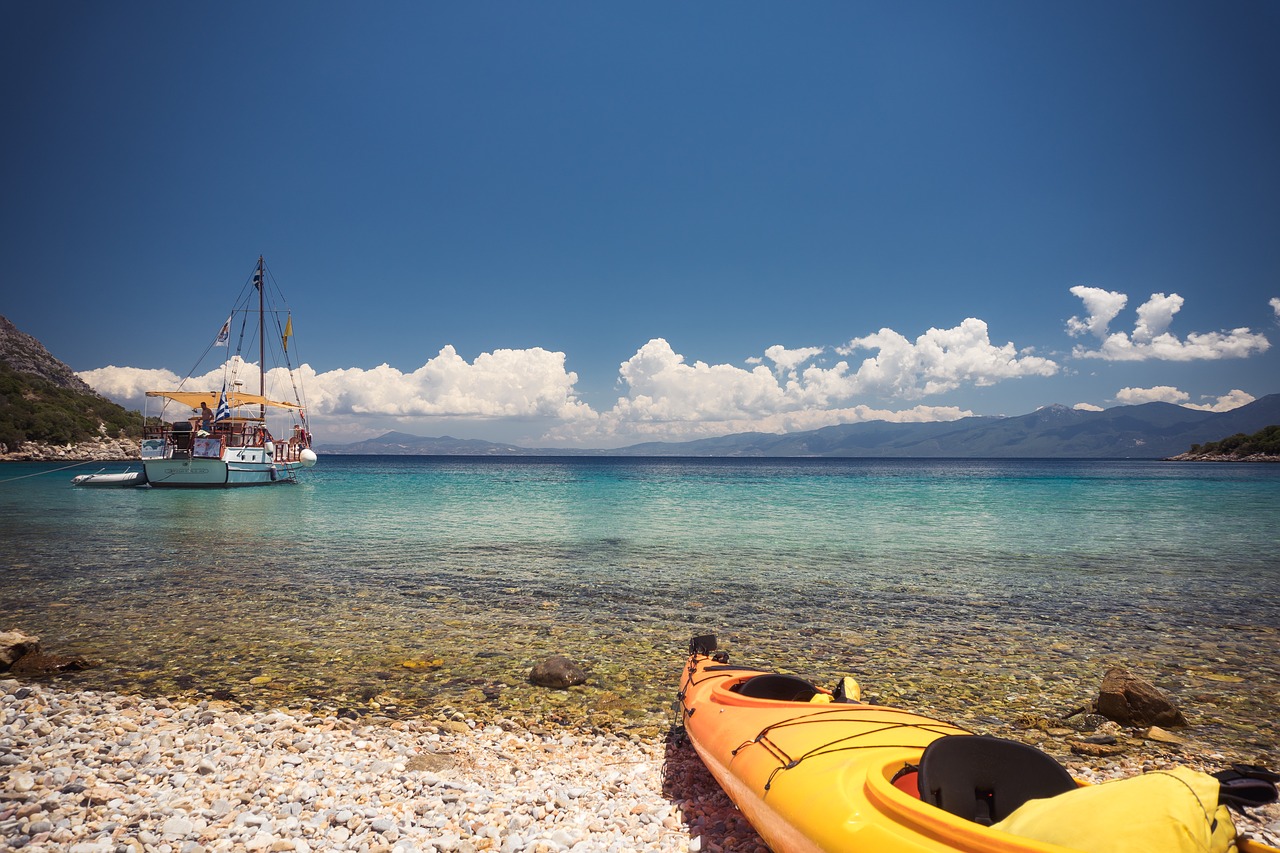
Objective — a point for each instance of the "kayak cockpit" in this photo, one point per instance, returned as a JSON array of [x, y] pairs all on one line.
[[985, 779], [774, 685]]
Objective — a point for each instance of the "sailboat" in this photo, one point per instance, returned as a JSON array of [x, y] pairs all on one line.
[[190, 445]]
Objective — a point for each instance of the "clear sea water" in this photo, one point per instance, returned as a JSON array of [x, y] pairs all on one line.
[[985, 592]]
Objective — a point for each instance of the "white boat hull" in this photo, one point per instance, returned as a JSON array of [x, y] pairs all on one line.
[[217, 473]]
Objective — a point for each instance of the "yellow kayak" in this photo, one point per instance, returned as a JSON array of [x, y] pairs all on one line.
[[816, 770]]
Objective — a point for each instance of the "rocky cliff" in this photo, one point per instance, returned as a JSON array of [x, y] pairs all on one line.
[[49, 413], [27, 355]]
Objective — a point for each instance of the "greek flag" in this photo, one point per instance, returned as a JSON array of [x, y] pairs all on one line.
[[224, 411]]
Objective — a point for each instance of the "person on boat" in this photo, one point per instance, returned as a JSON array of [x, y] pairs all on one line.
[[296, 441], [206, 417]]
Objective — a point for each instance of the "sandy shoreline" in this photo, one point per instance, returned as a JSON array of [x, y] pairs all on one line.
[[90, 771]]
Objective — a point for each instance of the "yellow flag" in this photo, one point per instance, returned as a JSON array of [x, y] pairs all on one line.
[[288, 332]]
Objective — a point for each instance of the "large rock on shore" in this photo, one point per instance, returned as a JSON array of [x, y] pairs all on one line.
[[20, 655], [557, 672], [1133, 701], [1223, 457], [100, 449], [15, 644]]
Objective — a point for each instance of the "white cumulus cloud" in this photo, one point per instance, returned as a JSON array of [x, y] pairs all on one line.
[[940, 360], [787, 360], [1155, 315], [1158, 394], [503, 383], [665, 396], [629, 423], [1233, 399], [1087, 407], [128, 385], [662, 387], [1150, 338], [1102, 307], [1275, 306]]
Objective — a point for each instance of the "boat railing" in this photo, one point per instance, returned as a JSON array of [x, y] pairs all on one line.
[[188, 439], [291, 450]]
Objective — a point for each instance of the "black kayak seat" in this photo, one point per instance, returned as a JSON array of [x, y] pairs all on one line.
[[984, 779], [773, 685]]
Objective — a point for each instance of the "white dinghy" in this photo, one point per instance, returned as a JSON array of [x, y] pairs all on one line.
[[100, 480]]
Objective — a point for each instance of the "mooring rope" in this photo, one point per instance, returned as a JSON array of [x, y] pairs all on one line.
[[52, 471]]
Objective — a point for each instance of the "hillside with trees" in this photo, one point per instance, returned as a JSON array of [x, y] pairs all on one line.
[[43, 402], [34, 409], [1262, 444]]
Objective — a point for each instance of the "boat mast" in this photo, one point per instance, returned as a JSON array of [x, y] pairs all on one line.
[[262, 345]]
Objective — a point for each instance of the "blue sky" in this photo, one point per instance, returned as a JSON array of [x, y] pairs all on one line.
[[595, 224]]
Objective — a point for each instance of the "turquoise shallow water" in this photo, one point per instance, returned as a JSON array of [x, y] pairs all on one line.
[[983, 591]]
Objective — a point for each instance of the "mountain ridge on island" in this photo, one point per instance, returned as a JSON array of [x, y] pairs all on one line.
[[1143, 431]]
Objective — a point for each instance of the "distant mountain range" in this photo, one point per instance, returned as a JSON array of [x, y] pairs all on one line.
[[43, 400], [1147, 431]]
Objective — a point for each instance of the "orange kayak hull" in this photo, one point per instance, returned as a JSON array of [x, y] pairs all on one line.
[[816, 777]]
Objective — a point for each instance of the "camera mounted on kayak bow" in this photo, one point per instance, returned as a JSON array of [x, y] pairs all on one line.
[[706, 645]]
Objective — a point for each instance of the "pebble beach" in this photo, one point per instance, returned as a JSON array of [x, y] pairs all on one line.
[[88, 771]]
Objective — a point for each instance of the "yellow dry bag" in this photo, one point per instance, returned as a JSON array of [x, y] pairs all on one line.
[[1167, 811]]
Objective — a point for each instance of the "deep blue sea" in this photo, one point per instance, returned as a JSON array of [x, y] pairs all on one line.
[[982, 591]]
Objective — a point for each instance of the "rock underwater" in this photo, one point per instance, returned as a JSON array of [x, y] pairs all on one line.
[[557, 672], [1132, 701]]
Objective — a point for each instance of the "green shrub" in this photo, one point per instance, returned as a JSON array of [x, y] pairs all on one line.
[[34, 409], [1266, 442]]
